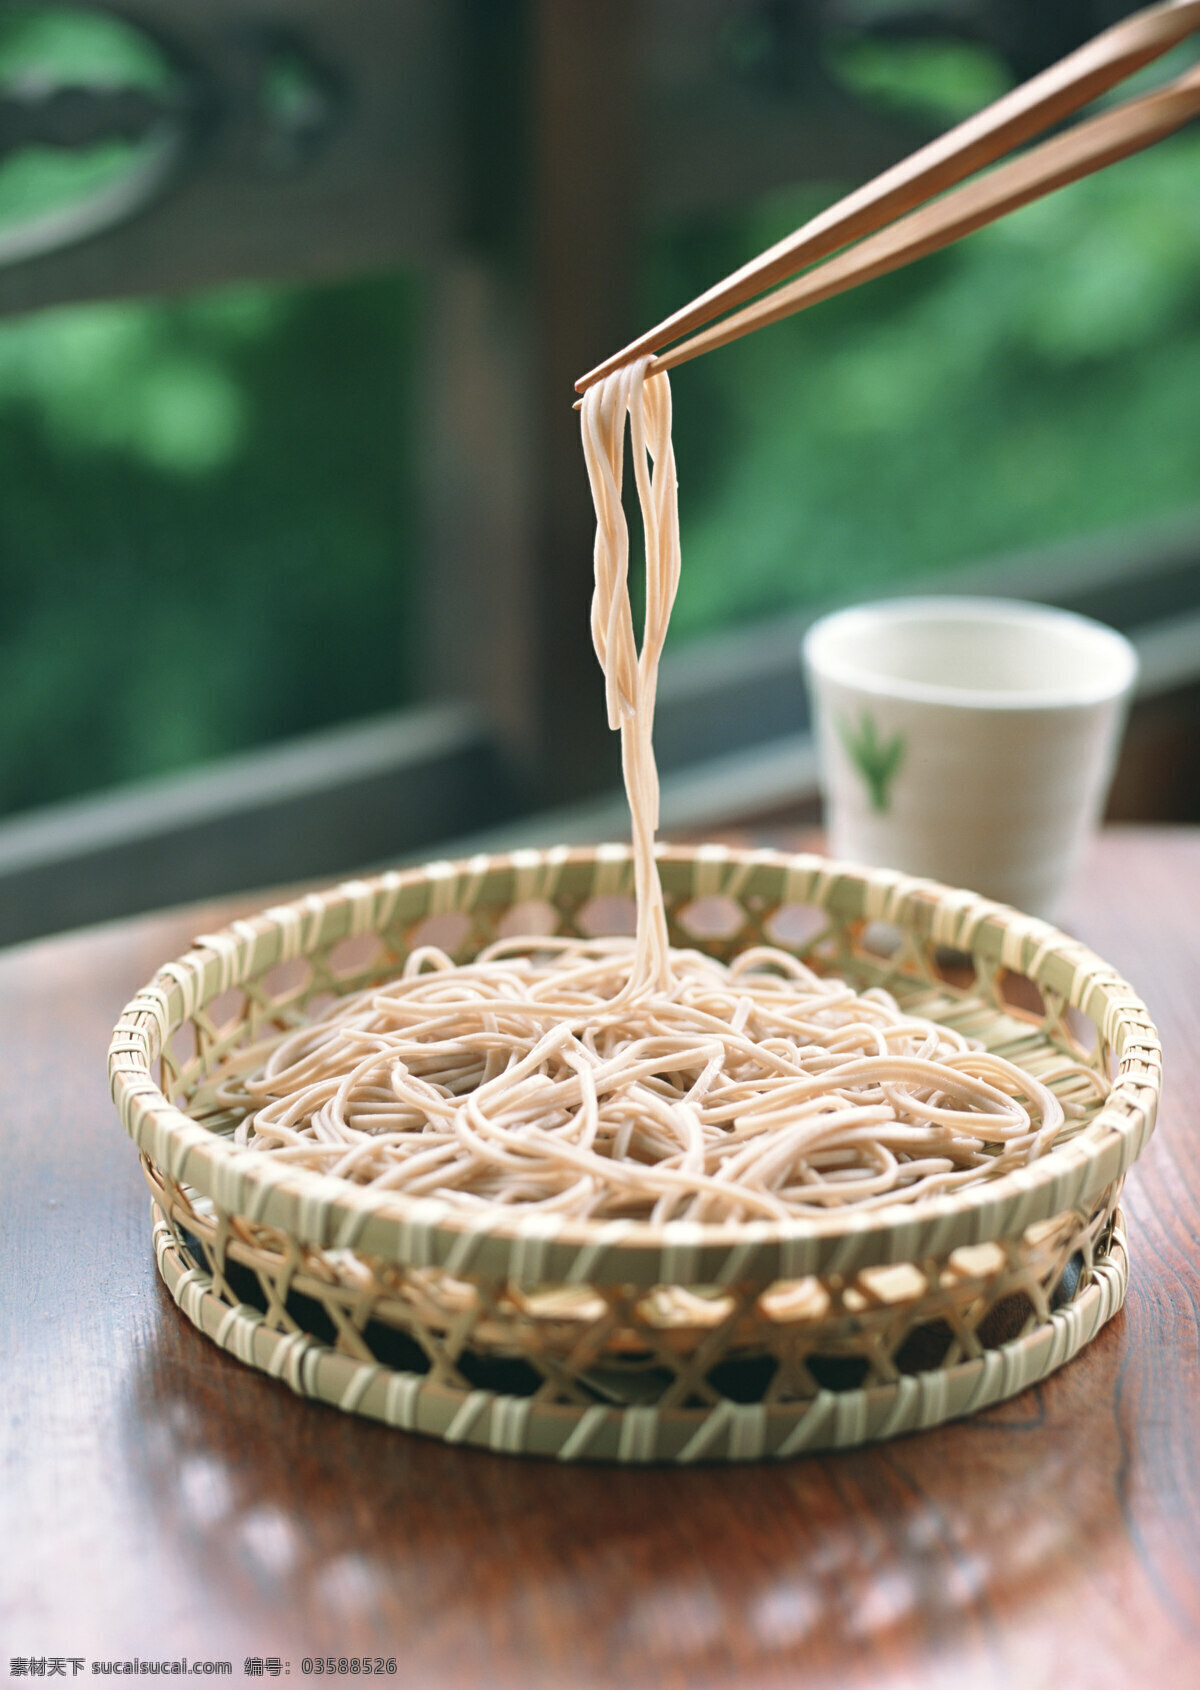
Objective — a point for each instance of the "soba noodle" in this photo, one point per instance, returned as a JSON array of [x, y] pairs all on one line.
[[619, 1078]]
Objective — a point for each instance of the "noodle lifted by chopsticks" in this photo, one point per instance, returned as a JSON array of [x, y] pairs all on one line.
[[617, 1078]]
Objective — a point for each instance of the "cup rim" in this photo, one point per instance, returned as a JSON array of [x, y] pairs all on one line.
[[1121, 656]]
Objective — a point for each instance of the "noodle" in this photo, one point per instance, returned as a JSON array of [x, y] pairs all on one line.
[[631, 680], [615, 1078]]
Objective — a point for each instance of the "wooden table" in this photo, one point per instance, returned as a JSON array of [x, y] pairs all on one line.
[[160, 1500]]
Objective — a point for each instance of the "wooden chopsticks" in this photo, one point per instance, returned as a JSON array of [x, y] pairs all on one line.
[[882, 204]]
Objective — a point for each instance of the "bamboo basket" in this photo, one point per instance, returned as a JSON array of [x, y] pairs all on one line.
[[621, 1340]]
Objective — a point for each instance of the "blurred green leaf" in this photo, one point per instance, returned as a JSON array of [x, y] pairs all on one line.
[[946, 80], [76, 43]]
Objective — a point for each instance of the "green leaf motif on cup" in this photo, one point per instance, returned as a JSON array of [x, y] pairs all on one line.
[[877, 760]]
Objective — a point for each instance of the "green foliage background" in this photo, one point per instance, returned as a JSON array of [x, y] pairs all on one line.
[[1039, 381], [207, 522], [209, 508]]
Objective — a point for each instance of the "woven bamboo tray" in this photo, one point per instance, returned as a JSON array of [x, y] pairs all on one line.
[[621, 1340]]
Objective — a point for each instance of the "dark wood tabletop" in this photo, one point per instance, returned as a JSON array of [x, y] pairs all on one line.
[[159, 1500]]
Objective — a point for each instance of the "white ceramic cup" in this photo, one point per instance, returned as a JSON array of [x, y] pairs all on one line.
[[968, 740]]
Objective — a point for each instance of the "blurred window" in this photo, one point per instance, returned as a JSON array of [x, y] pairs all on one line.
[[211, 504]]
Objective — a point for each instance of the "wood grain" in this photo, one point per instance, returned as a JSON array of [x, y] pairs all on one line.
[[159, 1498]]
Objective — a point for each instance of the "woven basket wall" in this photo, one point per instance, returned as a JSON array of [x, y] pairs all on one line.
[[621, 1340]]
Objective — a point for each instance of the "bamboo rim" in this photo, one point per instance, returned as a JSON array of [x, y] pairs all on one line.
[[728, 1431]]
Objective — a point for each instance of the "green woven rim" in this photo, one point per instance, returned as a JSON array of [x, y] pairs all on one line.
[[315, 1210], [727, 1432]]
